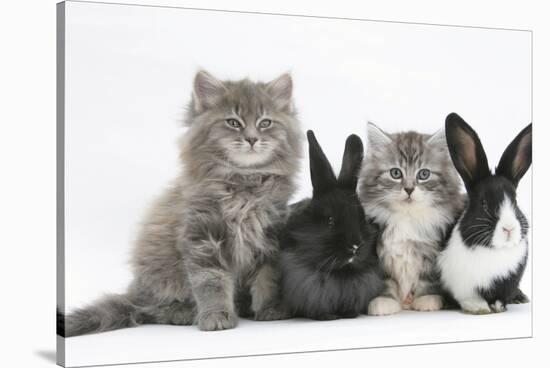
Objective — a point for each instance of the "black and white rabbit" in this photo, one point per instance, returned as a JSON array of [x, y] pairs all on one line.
[[485, 257], [329, 264]]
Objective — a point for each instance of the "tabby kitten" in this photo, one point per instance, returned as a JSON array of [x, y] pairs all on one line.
[[409, 186], [207, 247]]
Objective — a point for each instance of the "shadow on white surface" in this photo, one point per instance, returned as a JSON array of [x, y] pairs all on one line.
[[47, 355]]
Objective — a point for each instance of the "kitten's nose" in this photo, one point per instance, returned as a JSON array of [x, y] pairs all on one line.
[[409, 190], [251, 140]]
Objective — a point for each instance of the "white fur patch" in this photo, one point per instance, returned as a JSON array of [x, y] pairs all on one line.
[[475, 305], [247, 158], [410, 237], [498, 307], [427, 303], [383, 306], [464, 269], [508, 229]]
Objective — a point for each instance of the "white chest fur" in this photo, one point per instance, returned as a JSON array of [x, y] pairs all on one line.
[[465, 269], [409, 243]]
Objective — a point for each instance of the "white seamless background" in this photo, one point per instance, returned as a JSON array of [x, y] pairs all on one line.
[[129, 74]]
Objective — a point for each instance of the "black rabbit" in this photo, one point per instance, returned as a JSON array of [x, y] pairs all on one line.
[[485, 257], [329, 264]]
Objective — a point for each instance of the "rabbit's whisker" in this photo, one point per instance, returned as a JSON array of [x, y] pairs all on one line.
[[484, 219], [489, 214], [475, 234]]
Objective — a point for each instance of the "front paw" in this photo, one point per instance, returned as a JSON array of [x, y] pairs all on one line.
[[383, 306], [475, 307], [427, 303], [498, 307], [520, 298], [214, 321], [272, 314]]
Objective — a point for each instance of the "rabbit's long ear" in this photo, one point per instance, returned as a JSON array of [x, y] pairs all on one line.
[[517, 157], [322, 176], [351, 163], [466, 151]]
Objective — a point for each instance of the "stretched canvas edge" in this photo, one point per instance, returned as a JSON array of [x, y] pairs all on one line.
[[60, 172], [60, 177]]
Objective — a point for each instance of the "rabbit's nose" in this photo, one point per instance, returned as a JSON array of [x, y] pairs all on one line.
[[508, 229]]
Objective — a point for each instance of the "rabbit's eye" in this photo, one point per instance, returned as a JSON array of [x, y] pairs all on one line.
[[330, 221], [396, 173], [423, 174], [484, 204]]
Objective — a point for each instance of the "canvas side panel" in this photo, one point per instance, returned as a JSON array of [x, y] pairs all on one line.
[[60, 177]]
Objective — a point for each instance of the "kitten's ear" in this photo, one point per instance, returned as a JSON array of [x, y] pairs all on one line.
[[517, 157], [206, 90], [466, 151], [351, 163], [322, 176], [438, 138], [280, 90], [376, 137]]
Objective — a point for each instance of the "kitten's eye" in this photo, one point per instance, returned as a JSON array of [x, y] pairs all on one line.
[[266, 123], [330, 221], [233, 123], [396, 173], [423, 174]]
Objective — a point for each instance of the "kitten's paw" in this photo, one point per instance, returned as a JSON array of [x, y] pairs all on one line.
[[475, 307], [409, 299], [213, 321], [427, 303], [272, 314], [498, 307], [383, 306]]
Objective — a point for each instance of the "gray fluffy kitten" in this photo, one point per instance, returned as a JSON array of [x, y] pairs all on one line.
[[409, 186], [207, 247]]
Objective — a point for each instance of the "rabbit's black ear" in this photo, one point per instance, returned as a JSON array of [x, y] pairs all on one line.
[[351, 163], [517, 157], [322, 176], [466, 151]]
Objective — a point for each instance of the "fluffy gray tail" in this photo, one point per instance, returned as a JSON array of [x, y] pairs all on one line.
[[110, 313]]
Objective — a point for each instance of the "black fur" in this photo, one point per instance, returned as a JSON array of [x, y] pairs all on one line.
[[484, 203], [60, 323], [506, 290], [317, 243], [486, 193]]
